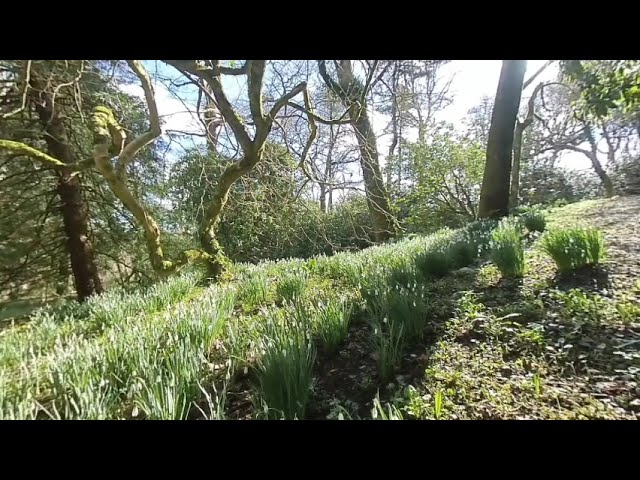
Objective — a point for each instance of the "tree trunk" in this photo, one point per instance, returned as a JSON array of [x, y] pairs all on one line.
[[74, 208], [377, 201], [595, 162], [604, 178], [494, 196], [217, 262], [323, 198], [353, 97], [517, 142], [515, 172], [325, 189], [400, 155], [76, 227], [394, 122], [212, 119]]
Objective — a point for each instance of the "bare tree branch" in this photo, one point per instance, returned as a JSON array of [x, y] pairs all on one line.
[[154, 131], [331, 83], [254, 84], [285, 100], [538, 72], [338, 121], [24, 92], [211, 75]]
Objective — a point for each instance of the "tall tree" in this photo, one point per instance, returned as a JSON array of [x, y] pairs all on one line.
[[411, 92], [592, 154], [519, 132], [494, 195], [353, 95], [521, 126], [605, 85], [51, 90], [210, 74], [478, 120], [567, 126], [447, 172]]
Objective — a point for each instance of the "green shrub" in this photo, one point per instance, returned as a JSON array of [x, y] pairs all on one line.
[[480, 227], [521, 210], [535, 221], [507, 251], [478, 235], [574, 248], [628, 310], [585, 307]]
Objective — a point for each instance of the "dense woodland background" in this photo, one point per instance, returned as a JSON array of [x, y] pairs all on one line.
[[285, 162]]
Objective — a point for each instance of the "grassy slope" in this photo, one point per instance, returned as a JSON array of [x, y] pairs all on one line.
[[543, 347], [491, 348]]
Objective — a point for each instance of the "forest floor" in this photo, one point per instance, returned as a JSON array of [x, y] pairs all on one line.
[[545, 346]]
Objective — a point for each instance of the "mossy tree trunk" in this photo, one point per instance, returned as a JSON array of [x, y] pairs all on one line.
[[252, 148], [592, 155], [595, 162], [110, 142]]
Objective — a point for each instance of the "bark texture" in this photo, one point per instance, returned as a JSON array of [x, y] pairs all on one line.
[[73, 206], [353, 96], [494, 195]]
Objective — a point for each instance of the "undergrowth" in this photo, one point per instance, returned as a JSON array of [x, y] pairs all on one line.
[[177, 351]]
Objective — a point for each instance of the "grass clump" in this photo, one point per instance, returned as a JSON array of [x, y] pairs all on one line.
[[399, 315], [574, 248], [535, 221], [378, 412], [331, 322], [434, 263], [254, 290], [388, 341], [407, 305], [144, 366], [507, 251], [458, 250], [292, 285], [462, 253], [285, 368]]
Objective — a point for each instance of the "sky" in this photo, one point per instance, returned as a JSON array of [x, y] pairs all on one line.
[[476, 78], [472, 79]]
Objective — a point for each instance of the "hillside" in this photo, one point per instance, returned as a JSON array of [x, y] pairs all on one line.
[[387, 332]]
